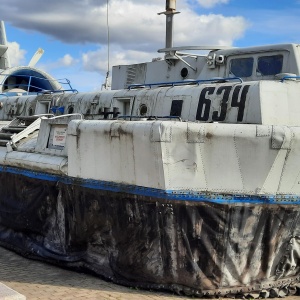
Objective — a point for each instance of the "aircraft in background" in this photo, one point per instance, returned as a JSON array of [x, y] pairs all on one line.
[[24, 79]]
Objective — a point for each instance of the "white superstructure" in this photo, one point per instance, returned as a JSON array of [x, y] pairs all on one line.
[[183, 177]]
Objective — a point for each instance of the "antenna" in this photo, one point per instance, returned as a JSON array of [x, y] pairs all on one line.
[[106, 85], [170, 12]]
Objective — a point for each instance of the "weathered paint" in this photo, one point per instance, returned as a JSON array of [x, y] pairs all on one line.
[[257, 102], [205, 205], [190, 228], [185, 156]]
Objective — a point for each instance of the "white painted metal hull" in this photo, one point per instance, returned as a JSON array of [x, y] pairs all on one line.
[[200, 209], [208, 206]]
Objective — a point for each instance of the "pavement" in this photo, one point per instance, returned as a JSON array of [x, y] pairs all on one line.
[[37, 280], [33, 280]]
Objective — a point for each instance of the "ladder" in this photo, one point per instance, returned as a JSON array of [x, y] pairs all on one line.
[[17, 129]]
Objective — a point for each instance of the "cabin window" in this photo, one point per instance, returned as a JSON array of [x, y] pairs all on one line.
[[176, 108], [241, 67], [126, 107], [269, 65]]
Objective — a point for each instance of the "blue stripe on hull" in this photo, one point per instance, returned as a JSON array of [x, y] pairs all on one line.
[[178, 195]]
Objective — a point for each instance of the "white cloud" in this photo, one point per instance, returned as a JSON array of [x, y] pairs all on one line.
[[97, 61], [211, 3], [136, 31], [16, 54], [67, 60], [210, 29], [133, 24]]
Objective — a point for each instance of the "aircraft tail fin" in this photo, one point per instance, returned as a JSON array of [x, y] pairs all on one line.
[[4, 57]]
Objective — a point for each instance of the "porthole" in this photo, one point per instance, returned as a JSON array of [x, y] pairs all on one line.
[[30, 111], [184, 72], [143, 109], [70, 109]]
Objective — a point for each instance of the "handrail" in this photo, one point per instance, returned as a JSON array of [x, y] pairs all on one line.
[[27, 86], [56, 91], [184, 82], [4, 95], [67, 115], [23, 85], [289, 77], [149, 118], [35, 116]]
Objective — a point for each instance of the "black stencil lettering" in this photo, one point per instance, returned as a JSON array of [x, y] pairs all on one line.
[[204, 104], [240, 104], [226, 91]]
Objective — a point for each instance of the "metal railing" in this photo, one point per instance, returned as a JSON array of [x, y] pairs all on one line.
[[289, 77], [149, 118], [186, 82], [28, 86]]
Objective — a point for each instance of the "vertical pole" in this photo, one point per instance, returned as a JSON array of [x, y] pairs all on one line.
[[3, 41], [169, 30], [170, 12]]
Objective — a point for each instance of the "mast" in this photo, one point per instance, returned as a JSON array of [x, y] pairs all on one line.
[[106, 84], [170, 12]]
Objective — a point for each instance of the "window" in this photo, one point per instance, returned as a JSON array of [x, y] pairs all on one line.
[[241, 67], [269, 65], [176, 108]]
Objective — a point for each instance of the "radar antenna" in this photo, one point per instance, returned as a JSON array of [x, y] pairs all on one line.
[[106, 84]]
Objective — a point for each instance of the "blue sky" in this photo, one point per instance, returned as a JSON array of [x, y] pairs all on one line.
[[73, 33]]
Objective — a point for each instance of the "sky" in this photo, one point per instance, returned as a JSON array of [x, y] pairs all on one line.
[[74, 33]]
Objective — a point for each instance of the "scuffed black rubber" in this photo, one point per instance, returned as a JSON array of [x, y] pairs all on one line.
[[192, 248]]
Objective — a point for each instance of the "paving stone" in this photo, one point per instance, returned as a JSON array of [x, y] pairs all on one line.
[[40, 281], [34, 280], [7, 293]]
